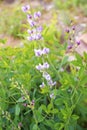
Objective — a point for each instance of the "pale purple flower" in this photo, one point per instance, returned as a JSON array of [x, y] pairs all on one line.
[[42, 85], [45, 65], [54, 83], [38, 52], [46, 76], [30, 38], [34, 36], [38, 36], [39, 67], [42, 67], [37, 14], [39, 29], [29, 16], [32, 23], [30, 31], [46, 50], [52, 96], [25, 8], [51, 83]]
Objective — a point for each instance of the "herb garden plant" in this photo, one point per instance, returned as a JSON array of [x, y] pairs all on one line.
[[40, 89]]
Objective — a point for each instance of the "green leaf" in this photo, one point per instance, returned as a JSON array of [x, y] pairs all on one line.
[[79, 127], [45, 90], [75, 117], [85, 55], [17, 110], [42, 127], [39, 116], [35, 127], [59, 101], [59, 126], [49, 123], [49, 107], [45, 30], [81, 72], [64, 61], [70, 127], [44, 108], [83, 80], [54, 111], [78, 62], [21, 99]]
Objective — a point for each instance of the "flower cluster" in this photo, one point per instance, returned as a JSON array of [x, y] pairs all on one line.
[[39, 52], [35, 34], [49, 79], [35, 31], [42, 67], [73, 40]]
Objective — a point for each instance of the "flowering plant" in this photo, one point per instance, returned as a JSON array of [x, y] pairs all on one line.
[[35, 35], [40, 87]]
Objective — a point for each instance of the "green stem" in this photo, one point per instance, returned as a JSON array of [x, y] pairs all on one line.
[[72, 108], [53, 67], [35, 119]]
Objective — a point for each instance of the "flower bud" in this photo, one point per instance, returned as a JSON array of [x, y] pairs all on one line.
[[78, 42]]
